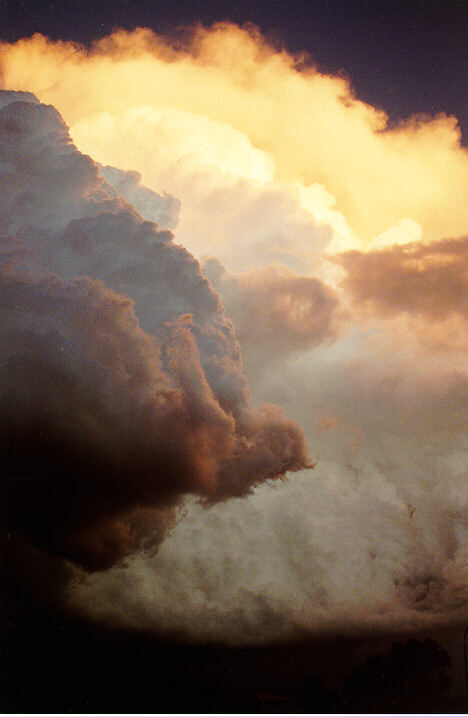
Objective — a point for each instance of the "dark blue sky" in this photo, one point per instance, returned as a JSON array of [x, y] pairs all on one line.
[[406, 56]]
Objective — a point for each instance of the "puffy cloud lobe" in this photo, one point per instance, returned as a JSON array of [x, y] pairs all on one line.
[[44, 181], [164, 210], [78, 226], [275, 311], [9, 96], [121, 377], [430, 280], [226, 186], [87, 416]]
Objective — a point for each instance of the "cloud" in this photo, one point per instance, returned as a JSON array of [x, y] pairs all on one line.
[[164, 210], [292, 312], [121, 380], [231, 203], [324, 233], [430, 279], [375, 538], [262, 113], [315, 557]]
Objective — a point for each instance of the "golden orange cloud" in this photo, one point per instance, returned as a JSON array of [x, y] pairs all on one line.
[[253, 112]]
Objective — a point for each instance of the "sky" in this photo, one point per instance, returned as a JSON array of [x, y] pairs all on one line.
[[234, 281]]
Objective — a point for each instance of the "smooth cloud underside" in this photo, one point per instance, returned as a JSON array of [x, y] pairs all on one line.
[[122, 387]]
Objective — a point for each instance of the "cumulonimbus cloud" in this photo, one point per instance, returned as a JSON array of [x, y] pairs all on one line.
[[122, 387], [277, 168]]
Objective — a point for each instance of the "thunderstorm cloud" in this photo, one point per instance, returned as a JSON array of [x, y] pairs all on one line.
[[160, 391], [122, 386]]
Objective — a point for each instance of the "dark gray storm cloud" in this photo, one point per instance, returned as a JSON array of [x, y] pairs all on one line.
[[121, 380]]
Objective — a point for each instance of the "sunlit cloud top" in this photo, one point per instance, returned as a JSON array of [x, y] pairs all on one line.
[[256, 112]]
